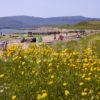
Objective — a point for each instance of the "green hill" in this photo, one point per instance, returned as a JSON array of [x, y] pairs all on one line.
[[84, 25], [88, 25]]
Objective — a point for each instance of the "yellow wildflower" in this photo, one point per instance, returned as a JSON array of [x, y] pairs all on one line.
[[50, 82], [85, 89], [23, 63], [88, 78], [94, 69], [15, 58], [42, 96], [85, 65], [5, 60], [67, 92], [50, 64], [84, 93], [92, 98], [83, 75], [96, 76], [2, 75], [22, 72], [43, 90], [58, 66], [52, 76], [13, 97], [64, 84], [85, 60], [81, 83], [31, 82], [38, 61], [89, 73], [39, 97]]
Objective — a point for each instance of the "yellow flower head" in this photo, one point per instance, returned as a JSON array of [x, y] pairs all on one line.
[[38, 61], [83, 75], [2, 75], [50, 82], [13, 97], [64, 84], [23, 63], [81, 83], [50, 64], [22, 72], [39, 97], [52, 76], [42, 96], [84, 93], [67, 92], [88, 78], [85, 89]]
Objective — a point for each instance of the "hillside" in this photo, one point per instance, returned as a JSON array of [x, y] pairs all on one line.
[[93, 24], [29, 21], [88, 25]]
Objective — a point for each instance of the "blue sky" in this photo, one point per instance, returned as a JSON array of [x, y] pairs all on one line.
[[50, 8]]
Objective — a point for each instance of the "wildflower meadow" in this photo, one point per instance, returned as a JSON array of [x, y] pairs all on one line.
[[42, 72]]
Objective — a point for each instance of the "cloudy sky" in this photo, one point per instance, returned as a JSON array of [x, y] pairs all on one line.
[[50, 8]]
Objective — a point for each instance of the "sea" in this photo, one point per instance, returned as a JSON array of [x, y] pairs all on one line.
[[11, 31]]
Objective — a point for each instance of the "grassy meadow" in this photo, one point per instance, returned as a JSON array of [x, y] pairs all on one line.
[[62, 71]]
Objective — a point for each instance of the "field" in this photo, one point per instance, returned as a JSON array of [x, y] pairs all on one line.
[[62, 71]]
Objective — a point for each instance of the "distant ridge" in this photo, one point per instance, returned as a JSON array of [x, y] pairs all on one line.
[[30, 21]]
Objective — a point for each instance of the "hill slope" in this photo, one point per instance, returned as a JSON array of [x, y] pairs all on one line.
[[29, 21], [93, 24], [88, 25]]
